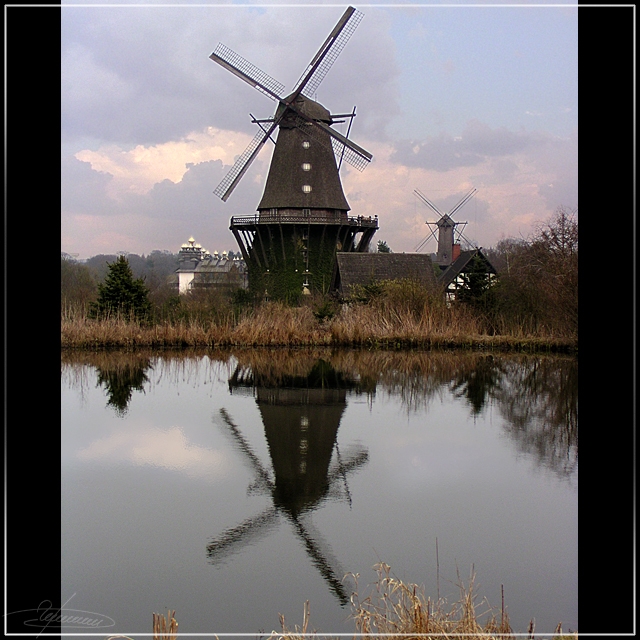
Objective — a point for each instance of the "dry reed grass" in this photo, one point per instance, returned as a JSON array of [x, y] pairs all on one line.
[[276, 324], [165, 628], [394, 608]]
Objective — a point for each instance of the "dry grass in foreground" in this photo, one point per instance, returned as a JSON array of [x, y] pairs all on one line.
[[164, 628], [395, 608]]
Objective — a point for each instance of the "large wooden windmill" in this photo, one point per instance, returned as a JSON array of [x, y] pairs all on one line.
[[302, 220]]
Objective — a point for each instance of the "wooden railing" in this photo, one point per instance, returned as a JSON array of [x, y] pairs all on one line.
[[289, 218]]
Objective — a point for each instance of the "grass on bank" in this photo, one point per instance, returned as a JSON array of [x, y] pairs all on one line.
[[384, 323]]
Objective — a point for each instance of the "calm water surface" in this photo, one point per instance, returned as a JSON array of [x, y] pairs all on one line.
[[232, 487]]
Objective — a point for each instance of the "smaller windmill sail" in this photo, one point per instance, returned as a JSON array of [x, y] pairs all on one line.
[[446, 219]]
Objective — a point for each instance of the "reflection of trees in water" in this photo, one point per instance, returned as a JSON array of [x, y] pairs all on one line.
[[538, 398], [477, 383], [120, 373], [121, 382], [117, 369], [537, 395]]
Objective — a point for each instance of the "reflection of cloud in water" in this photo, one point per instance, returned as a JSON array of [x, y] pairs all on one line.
[[168, 449]]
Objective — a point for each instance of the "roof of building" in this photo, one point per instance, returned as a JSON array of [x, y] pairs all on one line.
[[365, 268], [459, 265]]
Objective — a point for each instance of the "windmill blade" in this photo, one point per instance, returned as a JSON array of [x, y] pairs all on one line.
[[471, 244], [229, 182], [322, 558], [363, 156], [328, 53], [463, 201], [248, 531], [428, 202], [248, 72], [352, 116], [423, 242], [349, 464], [245, 448], [431, 234], [355, 155], [259, 123]]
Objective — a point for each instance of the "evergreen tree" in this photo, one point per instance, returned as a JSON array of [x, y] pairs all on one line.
[[476, 283], [121, 294], [383, 247]]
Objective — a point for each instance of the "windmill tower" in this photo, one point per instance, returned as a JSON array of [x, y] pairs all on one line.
[[448, 235], [290, 245]]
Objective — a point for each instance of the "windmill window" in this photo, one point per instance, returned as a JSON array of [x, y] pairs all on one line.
[[305, 144], [306, 166], [306, 188]]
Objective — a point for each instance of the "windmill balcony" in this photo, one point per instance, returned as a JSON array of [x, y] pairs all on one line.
[[298, 217]]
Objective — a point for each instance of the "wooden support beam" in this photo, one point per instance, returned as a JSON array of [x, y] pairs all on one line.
[[264, 253]]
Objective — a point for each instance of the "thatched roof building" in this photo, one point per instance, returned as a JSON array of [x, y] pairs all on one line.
[[360, 269]]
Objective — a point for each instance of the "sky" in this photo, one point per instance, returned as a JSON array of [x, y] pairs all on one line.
[[448, 97]]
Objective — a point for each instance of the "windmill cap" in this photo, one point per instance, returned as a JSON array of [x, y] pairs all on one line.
[[309, 107]]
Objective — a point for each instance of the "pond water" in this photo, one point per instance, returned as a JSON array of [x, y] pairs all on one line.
[[235, 486]]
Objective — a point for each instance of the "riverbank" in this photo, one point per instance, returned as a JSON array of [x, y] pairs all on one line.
[[275, 324]]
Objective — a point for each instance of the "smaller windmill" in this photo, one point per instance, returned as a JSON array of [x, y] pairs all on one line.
[[448, 234]]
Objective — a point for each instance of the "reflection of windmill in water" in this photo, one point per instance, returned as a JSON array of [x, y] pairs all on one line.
[[290, 246], [301, 416]]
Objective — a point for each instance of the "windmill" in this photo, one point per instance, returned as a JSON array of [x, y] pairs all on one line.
[[446, 226], [302, 217], [301, 423]]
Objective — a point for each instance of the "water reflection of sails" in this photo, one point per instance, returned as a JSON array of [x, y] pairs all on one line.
[[301, 416]]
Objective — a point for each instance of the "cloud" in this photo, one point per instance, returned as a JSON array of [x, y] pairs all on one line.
[[137, 170], [165, 448], [125, 80], [477, 143]]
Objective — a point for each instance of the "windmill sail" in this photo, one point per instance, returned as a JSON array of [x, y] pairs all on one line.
[[229, 182], [246, 71], [306, 86], [328, 53]]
